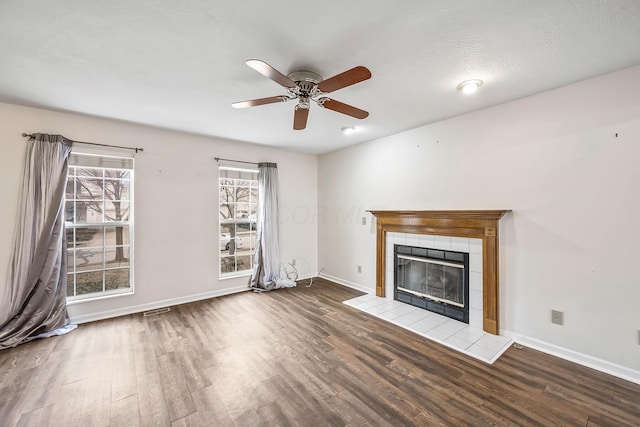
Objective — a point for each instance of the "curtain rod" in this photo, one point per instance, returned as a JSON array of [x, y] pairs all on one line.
[[136, 149], [217, 159]]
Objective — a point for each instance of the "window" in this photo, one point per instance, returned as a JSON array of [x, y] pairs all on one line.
[[98, 221], [238, 206]]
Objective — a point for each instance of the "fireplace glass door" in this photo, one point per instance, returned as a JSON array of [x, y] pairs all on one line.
[[434, 279]]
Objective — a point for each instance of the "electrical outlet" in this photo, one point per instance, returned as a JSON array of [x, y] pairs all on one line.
[[557, 317], [359, 269], [364, 220]]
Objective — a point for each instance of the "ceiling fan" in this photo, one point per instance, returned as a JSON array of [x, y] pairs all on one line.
[[306, 86]]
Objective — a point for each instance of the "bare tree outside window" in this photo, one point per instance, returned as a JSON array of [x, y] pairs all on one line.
[[109, 196]]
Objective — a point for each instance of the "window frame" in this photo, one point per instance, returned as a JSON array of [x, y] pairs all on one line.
[[251, 219], [103, 162]]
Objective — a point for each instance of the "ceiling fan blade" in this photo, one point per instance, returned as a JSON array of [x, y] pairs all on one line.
[[270, 72], [348, 78], [343, 108], [300, 118], [260, 101]]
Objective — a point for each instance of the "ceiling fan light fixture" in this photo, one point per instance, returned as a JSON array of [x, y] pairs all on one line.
[[347, 130], [303, 102], [469, 86]]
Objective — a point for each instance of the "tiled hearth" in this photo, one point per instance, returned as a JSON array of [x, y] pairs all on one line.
[[469, 340]]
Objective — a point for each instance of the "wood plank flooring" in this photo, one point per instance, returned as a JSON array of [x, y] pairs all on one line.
[[293, 357]]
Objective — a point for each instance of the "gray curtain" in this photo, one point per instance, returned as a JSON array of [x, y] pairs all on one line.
[[34, 298], [266, 264]]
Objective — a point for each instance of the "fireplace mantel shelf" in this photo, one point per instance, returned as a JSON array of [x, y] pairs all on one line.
[[479, 224]]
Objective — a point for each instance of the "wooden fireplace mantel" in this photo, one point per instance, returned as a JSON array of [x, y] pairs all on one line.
[[478, 224]]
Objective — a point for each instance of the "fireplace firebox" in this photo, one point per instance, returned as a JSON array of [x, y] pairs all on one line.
[[433, 279]]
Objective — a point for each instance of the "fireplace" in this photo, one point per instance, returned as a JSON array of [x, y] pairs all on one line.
[[476, 224], [433, 279]]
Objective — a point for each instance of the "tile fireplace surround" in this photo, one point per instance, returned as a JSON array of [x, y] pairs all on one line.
[[471, 231]]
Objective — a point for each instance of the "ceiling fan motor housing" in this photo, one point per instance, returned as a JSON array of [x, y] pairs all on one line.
[[306, 85], [305, 76]]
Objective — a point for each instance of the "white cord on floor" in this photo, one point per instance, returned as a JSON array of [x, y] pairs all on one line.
[[311, 280]]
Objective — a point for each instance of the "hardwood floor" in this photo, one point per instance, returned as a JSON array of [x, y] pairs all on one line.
[[293, 357]]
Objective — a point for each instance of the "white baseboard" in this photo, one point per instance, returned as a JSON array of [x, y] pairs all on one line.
[[347, 283], [154, 305], [579, 358]]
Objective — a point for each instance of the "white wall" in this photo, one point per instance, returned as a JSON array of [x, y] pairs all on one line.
[[176, 219], [572, 242]]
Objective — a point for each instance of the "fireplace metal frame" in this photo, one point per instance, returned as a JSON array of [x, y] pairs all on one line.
[[428, 302]]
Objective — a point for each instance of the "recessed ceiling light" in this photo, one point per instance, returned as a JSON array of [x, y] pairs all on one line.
[[348, 129], [469, 86]]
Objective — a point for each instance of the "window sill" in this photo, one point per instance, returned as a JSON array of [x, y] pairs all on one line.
[[235, 275], [99, 297]]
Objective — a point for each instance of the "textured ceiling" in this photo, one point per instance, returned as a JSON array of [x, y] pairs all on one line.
[[179, 65]]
